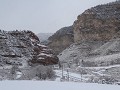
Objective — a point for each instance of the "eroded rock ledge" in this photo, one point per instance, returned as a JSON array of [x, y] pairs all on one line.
[[23, 48]]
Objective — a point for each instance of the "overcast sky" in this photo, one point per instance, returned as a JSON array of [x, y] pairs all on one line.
[[42, 15]]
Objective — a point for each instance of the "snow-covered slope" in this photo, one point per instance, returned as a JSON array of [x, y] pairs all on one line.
[[99, 53], [111, 47], [79, 51], [103, 75]]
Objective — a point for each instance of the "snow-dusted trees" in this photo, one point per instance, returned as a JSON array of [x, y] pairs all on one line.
[[44, 72], [102, 79], [39, 72], [12, 74]]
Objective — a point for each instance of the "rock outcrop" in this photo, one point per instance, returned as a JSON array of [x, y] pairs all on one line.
[[98, 23], [23, 48], [96, 37], [61, 39]]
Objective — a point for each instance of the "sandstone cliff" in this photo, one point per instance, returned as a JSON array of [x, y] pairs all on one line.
[[98, 23], [61, 39]]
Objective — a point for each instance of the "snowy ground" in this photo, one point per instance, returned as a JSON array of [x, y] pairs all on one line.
[[95, 73], [72, 76], [53, 85]]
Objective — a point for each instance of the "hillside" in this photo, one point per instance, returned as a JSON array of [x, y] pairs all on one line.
[[98, 23], [61, 39], [96, 37], [23, 48]]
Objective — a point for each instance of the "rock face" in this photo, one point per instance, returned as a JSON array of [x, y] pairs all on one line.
[[98, 23], [22, 48], [96, 37], [61, 39]]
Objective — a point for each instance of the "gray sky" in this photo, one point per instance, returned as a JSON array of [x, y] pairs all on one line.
[[42, 15]]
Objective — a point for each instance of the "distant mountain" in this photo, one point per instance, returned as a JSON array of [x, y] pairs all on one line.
[[61, 39], [44, 36]]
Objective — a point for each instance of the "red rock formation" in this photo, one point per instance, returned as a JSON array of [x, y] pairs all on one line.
[[22, 47]]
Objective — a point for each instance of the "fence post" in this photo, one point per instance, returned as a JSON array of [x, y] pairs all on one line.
[[68, 74]]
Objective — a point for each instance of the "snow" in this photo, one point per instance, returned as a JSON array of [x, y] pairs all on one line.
[[59, 73], [41, 58], [54, 85], [111, 45], [42, 45], [19, 74], [98, 52], [106, 58], [95, 72], [48, 55], [33, 40], [73, 77], [102, 67], [45, 49], [5, 67]]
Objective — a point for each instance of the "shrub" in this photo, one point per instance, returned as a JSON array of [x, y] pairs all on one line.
[[40, 71]]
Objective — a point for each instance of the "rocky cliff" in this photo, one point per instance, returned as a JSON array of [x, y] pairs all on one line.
[[23, 48], [61, 39], [96, 37], [98, 23]]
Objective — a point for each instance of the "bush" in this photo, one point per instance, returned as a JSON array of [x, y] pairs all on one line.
[[82, 71], [107, 80], [102, 80], [12, 72], [44, 72], [40, 72]]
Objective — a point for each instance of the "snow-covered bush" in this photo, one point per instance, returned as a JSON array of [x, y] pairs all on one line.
[[44, 72], [12, 72], [107, 80], [102, 80], [13, 69], [93, 79], [82, 71]]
